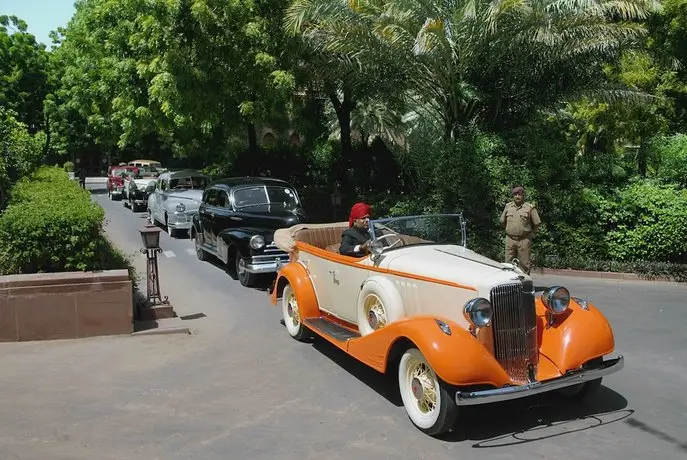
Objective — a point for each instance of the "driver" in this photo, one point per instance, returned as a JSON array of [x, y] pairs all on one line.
[[355, 240]]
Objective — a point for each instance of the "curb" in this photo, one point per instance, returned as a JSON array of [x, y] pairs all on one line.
[[164, 330], [604, 275]]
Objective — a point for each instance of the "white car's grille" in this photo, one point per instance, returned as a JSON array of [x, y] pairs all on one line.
[[515, 329]]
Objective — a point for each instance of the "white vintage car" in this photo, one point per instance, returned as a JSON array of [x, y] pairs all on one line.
[[455, 327], [135, 192], [175, 197]]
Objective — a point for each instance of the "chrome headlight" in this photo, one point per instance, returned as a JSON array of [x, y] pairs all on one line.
[[478, 312], [556, 299], [257, 242], [181, 207]]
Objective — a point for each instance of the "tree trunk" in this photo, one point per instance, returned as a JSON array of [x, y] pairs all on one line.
[[343, 111], [252, 140], [641, 160]]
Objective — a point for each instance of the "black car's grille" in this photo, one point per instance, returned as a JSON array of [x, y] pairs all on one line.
[[515, 329], [271, 253]]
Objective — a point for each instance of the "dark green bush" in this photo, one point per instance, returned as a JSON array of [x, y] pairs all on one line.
[[51, 225]]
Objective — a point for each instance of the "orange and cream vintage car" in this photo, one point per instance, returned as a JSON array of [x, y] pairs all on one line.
[[455, 327]]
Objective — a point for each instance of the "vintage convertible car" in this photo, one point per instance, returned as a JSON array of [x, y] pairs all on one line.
[[456, 327], [115, 180], [174, 199]]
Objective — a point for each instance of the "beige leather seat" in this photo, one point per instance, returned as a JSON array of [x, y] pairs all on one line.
[[324, 237]]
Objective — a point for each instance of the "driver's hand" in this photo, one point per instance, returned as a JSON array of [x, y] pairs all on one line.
[[365, 246]]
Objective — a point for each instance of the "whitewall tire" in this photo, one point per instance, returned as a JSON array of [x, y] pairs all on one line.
[[427, 400], [291, 314], [379, 304]]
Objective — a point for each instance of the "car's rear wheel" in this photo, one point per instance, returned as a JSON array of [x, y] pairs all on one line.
[[198, 241], [427, 399], [245, 278], [291, 314]]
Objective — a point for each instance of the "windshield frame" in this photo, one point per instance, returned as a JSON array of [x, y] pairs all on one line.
[[461, 220], [265, 188]]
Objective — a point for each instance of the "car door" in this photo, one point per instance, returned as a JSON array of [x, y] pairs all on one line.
[[206, 214], [344, 280], [154, 199]]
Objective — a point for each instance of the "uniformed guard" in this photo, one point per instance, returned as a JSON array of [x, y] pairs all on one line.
[[521, 221]]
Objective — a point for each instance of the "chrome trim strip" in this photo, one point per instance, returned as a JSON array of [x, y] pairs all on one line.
[[262, 267], [507, 393]]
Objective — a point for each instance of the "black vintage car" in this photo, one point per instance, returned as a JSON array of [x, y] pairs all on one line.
[[236, 223]]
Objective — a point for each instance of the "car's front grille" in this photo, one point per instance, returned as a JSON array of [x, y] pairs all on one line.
[[271, 253], [515, 329]]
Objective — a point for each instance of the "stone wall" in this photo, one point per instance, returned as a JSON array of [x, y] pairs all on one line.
[[66, 305]]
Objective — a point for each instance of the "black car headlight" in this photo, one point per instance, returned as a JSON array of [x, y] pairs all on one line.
[[257, 242]]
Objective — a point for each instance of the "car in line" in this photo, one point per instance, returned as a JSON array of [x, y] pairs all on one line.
[[454, 327], [174, 198], [135, 193], [115, 180], [236, 221]]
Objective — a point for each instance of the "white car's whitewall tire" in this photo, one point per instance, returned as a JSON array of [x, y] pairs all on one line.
[[427, 400], [379, 304], [291, 314]]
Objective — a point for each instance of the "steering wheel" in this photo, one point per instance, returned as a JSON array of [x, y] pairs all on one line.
[[399, 239]]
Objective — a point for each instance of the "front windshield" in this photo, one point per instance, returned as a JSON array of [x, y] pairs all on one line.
[[413, 230], [189, 183], [147, 171], [260, 195]]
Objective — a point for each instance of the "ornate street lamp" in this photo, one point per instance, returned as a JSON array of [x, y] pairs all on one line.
[[151, 247]]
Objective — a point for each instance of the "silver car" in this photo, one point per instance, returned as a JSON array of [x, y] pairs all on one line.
[[175, 197]]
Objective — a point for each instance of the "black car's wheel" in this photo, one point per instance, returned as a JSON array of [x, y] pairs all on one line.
[[198, 241], [245, 278]]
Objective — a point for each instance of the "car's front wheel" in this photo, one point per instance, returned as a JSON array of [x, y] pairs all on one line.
[[246, 278], [291, 314], [198, 241], [427, 399]]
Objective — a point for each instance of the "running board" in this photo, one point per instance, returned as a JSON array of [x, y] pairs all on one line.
[[330, 328]]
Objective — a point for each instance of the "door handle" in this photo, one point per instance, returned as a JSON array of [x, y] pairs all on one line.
[[212, 214], [333, 272]]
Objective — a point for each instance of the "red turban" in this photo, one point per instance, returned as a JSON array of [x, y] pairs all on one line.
[[358, 211]]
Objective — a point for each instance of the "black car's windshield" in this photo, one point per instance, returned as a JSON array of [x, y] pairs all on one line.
[[260, 195], [188, 183]]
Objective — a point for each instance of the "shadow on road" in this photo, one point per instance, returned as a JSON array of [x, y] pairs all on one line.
[[509, 423]]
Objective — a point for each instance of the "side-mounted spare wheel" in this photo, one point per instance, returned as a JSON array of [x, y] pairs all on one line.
[[379, 304], [428, 401]]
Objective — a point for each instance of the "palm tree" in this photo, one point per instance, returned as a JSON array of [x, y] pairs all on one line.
[[480, 61]]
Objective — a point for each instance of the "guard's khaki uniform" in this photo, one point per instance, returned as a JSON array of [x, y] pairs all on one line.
[[521, 223]]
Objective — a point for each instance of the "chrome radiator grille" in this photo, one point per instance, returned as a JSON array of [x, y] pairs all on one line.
[[515, 329]]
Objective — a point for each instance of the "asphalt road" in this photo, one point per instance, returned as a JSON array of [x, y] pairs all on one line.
[[240, 387]]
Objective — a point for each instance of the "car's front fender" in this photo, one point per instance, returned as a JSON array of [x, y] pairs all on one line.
[[575, 337], [297, 276], [457, 358]]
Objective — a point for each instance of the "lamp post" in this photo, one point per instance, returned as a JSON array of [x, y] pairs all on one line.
[[151, 247], [336, 200]]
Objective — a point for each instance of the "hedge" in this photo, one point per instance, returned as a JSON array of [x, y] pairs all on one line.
[[51, 225]]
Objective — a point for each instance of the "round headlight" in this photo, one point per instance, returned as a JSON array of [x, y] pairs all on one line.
[[181, 207], [257, 242], [478, 312], [556, 299]]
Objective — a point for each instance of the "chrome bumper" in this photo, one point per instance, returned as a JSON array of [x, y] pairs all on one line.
[[266, 267], [507, 393]]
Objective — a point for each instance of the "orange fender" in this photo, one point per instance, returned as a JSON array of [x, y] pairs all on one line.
[[575, 337], [297, 276], [459, 359]]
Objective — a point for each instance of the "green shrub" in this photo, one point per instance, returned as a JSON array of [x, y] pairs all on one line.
[[68, 166], [648, 222], [670, 156], [51, 225]]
